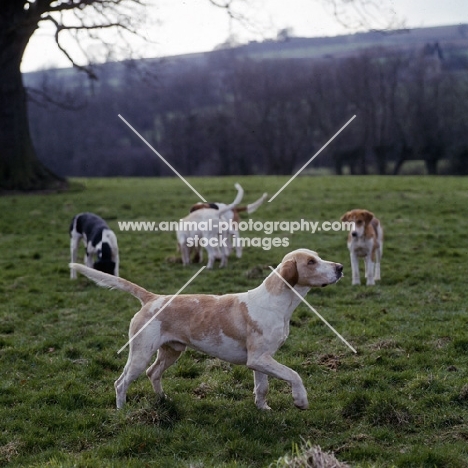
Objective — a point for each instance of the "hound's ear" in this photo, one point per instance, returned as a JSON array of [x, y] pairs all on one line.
[[345, 217], [367, 216], [289, 272]]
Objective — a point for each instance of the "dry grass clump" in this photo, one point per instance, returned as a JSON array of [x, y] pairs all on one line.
[[310, 456]]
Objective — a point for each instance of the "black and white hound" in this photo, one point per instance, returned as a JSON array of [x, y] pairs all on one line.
[[99, 240]]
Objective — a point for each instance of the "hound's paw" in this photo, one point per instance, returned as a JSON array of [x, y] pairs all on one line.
[[264, 407], [303, 405]]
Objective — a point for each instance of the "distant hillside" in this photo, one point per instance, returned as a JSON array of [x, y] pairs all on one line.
[[453, 38], [339, 46]]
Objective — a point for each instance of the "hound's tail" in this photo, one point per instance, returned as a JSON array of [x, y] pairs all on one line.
[[251, 207], [237, 200], [114, 282], [254, 206], [240, 194]]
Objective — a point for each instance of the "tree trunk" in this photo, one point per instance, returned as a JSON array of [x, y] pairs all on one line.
[[432, 155], [431, 166], [381, 155], [405, 153], [19, 167], [338, 165]]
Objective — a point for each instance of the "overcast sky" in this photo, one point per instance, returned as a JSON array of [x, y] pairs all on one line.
[[184, 26]]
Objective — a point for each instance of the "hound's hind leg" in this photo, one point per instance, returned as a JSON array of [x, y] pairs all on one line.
[[167, 355]]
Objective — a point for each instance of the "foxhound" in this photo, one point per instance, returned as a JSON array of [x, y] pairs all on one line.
[[244, 328], [100, 243], [232, 216], [201, 229], [365, 240]]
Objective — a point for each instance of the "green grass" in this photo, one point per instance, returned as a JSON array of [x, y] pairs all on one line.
[[401, 401]]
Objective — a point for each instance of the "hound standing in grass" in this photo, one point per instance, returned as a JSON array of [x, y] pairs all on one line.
[[100, 243], [365, 240], [200, 228], [245, 328], [232, 216]]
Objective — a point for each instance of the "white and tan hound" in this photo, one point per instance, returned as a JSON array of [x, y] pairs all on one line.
[[245, 328], [232, 216], [102, 251], [201, 229], [365, 240]]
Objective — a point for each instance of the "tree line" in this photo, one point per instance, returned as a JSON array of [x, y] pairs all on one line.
[[224, 113]]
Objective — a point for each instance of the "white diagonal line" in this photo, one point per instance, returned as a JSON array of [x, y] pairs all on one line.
[[162, 308], [313, 310], [312, 158], [162, 159]]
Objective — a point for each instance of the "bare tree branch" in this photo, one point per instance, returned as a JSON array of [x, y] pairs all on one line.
[[358, 15], [55, 97], [75, 17]]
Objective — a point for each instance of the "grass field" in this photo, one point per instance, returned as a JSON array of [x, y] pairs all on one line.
[[401, 401]]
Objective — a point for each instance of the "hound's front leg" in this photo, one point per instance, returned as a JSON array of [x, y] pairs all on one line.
[[369, 271], [377, 272], [356, 279], [267, 365], [88, 259], [117, 261], [377, 265]]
